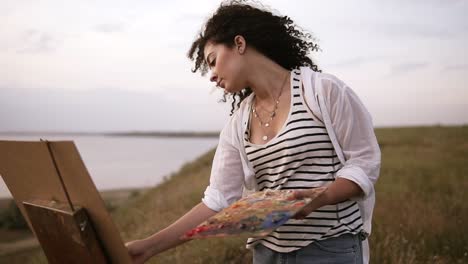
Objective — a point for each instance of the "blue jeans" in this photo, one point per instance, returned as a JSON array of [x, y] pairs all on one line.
[[345, 249]]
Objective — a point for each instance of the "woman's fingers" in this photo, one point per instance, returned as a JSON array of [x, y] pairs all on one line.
[[313, 205], [310, 193], [137, 251], [304, 212], [139, 259], [133, 248], [299, 195]]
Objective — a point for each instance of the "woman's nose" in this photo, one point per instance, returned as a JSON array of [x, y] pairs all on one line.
[[213, 78]]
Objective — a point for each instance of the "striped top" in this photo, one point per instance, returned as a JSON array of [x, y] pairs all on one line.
[[301, 156]]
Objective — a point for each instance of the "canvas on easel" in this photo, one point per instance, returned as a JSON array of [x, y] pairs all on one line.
[[44, 174]]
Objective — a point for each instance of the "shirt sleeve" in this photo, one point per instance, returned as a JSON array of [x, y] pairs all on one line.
[[354, 131], [227, 177]]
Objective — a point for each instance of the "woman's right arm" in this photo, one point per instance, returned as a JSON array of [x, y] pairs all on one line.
[[144, 249], [226, 180]]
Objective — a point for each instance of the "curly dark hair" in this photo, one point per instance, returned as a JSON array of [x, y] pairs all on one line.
[[277, 37]]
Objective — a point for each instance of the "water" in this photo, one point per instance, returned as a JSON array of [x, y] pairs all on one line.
[[128, 162]]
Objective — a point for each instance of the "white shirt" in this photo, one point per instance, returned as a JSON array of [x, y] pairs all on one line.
[[348, 124]]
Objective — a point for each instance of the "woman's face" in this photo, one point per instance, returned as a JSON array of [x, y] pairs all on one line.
[[226, 66]]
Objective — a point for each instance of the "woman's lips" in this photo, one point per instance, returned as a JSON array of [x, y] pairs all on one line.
[[220, 84]]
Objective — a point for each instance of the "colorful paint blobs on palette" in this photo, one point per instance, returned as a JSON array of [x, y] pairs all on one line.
[[258, 213]]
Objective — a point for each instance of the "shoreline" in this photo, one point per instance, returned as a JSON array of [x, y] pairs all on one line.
[[187, 134], [164, 134], [114, 195]]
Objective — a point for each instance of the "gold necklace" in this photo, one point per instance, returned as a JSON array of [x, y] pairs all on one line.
[[272, 114]]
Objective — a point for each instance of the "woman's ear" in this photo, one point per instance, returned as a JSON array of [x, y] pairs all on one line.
[[240, 44]]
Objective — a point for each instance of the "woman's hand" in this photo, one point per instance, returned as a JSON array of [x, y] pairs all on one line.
[[143, 249], [319, 199], [139, 251], [340, 190]]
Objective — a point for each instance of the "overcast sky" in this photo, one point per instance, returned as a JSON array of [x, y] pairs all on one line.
[[121, 65]]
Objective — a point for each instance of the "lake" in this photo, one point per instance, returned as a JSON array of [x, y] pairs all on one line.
[[116, 162]]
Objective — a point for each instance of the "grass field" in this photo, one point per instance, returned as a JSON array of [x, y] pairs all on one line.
[[420, 215]]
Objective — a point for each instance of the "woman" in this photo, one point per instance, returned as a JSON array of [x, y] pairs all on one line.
[[291, 127]]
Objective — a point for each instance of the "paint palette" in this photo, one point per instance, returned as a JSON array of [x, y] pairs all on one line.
[[258, 214]]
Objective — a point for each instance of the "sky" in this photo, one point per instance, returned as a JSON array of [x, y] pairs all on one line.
[[121, 65]]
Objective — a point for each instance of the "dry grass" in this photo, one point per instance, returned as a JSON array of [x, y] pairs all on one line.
[[421, 206], [420, 214]]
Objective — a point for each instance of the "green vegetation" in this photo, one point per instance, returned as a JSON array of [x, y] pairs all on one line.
[[419, 217], [11, 217]]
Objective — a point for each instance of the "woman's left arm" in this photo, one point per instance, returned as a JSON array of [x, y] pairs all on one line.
[[354, 132]]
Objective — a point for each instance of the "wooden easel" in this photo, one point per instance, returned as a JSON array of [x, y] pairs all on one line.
[[65, 236], [64, 231], [58, 199]]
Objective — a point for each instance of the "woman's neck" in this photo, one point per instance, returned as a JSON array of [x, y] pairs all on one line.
[[267, 79]]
